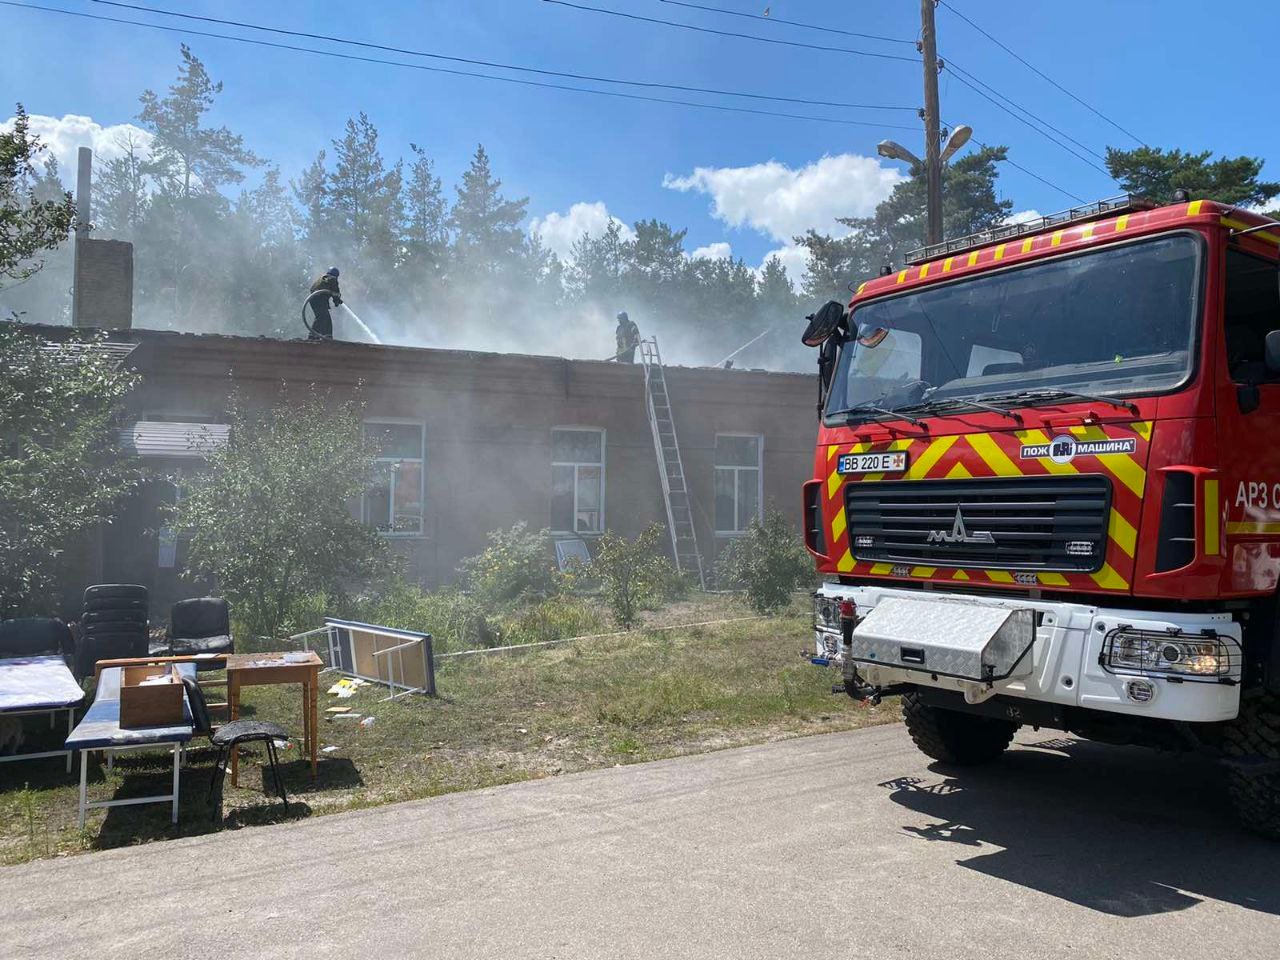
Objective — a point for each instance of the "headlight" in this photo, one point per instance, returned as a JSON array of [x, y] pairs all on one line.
[[1191, 656]]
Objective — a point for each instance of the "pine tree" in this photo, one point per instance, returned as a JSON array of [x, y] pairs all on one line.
[[486, 225], [120, 193], [426, 226], [187, 157], [1156, 173], [363, 203]]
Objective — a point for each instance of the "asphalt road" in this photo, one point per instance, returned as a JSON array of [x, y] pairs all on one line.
[[848, 845]]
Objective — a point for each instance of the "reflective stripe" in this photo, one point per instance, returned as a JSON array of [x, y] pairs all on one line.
[[993, 456], [1211, 518], [931, 455], [1121, 222], [1123, 532], [1193, 208]]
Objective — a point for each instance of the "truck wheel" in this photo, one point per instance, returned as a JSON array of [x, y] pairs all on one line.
[[1255, 736], [954, 737]]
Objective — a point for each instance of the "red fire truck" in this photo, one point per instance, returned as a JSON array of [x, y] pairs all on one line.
[[1047, 487]]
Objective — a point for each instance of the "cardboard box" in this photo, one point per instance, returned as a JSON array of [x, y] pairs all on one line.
[[151, 704]]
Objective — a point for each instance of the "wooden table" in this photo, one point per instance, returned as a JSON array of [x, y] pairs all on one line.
[[259, 669]]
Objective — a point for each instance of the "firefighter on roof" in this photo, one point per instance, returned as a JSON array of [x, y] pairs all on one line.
[[324, 290], [628, 336]]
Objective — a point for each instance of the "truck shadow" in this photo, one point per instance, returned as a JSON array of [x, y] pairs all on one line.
[[1124, 831]]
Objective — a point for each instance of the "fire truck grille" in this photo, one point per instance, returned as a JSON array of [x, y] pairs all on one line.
[[1013, 523]]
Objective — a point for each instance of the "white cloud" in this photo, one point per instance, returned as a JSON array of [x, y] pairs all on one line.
[[793, 257], [783, 202], [560, 231], [62, 137], [1023, 216], [713, 251]]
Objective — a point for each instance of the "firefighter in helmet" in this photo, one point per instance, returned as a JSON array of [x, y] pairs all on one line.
[[628, 337], [324, 290]]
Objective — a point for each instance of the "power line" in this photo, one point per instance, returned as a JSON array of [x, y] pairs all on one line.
[[790, 23], [187, 31], [730, 33], [491, 63], [952, 65], [1017, 166], [1041, 74], [1028, 123]]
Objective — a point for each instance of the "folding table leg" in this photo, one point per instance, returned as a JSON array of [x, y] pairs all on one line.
[[84, 783], [177, 767], [71, 725]]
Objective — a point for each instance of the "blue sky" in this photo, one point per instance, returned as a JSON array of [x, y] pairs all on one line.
[[1165, 70]]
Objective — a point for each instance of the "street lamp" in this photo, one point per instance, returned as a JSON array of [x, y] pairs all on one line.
[[892, 150]]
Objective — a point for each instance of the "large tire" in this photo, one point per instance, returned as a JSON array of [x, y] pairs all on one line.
[[1254, 737], [953, 737]]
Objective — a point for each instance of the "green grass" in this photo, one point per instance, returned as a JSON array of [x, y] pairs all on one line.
[[500, 718]]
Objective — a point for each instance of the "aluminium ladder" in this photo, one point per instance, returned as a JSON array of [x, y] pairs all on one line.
[[675, 493]]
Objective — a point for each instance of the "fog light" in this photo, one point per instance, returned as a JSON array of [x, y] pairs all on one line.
[[1140, 691], [1079, 548]]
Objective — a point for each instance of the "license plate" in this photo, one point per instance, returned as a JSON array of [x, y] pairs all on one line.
[[894, 461]]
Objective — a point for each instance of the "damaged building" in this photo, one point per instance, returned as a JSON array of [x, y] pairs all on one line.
[[473, 442]]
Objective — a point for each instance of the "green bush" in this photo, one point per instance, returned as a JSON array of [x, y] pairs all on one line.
[[633, 575], [769, 563], [516, 565], [455, 620], [555, 618]]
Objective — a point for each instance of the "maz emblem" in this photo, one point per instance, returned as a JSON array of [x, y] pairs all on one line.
[[958, 534]]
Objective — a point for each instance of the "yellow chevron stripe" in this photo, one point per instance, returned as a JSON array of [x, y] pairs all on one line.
[[946, 264], [1253, 526], [993, 456], [1027, 244], [1108, 579], [1125, 468], [924, 271], [958, 472], [845, 563], [1087, 232], [1142, 428], [1122, 532], [959, 575], [882, 568], [902, 275], [1193, 208], [931, 455], [923, 571], [1000, 251], [832, 450], [1052, 579], [838, 523], [973, 258], [862, 286], [999, 576], [1122, 221], [1056, 240]]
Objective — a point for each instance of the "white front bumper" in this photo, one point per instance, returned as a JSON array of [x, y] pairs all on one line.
[[1065, 663]]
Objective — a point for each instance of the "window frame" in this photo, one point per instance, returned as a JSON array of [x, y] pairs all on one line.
[[576, 465], [736, 468], [422, 482], [1269, 379]]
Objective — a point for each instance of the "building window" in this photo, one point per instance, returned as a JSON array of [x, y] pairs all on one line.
[[577, 481], [738, 482], [394, 504]]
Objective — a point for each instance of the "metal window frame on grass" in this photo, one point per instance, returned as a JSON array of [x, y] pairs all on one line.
[[338, 631]]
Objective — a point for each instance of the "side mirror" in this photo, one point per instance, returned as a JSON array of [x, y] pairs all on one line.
[[828, 319], [1271, 351]]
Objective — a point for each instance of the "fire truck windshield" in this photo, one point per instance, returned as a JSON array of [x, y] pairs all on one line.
[[1118, 321]]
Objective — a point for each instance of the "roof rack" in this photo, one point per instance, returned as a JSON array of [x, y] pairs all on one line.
[[1091, 211]]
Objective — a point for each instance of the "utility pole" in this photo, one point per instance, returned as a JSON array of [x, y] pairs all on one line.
[[932, 131]]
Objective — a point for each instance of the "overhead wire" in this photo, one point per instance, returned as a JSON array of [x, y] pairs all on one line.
[[790, 23], [1031, 173], [1041, 74], [188, 31], [731, 33], [684, 88]]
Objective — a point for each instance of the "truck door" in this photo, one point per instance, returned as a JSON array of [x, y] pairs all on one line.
[[1249, 422]]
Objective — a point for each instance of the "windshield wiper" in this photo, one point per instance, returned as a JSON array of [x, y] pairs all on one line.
[[1053, 393], [942, 402], [849, 413]]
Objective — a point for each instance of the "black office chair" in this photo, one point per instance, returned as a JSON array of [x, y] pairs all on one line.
[[34, 637], [229, 736], [202, 625]]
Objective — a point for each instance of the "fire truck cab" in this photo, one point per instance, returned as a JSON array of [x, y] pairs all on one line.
[[1046, 488]]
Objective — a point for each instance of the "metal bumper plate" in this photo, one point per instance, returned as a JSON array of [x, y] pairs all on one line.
[[953, 638]]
